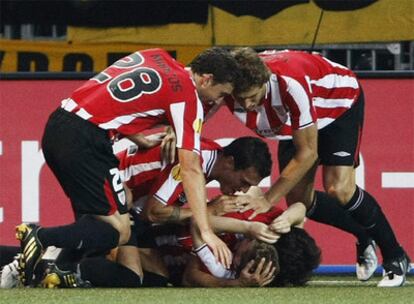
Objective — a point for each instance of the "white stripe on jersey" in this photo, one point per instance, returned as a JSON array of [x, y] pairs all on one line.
[[83, 114], [240, 113], [166, 190], [262, 122], [133, 170], [334, 64], [332, 103], [336, 81], [69, 104], [209, 158], [300, 97], [323, 122], [177, 114], [197, 135], [126, 119], [276, 98]]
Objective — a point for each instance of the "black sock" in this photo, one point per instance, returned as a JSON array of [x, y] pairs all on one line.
[[86, 233], [101, 272], [154, 280], [327, 210], [366, 211]]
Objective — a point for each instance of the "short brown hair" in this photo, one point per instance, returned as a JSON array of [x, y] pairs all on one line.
[[219, 62], [257, 251], [253, 71]]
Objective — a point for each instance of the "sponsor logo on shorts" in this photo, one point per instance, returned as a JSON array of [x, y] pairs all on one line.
[[341, 154]]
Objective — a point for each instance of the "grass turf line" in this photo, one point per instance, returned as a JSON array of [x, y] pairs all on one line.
[[335, 290]]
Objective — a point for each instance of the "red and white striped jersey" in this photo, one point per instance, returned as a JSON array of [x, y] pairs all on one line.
[[138, 92], [146, 174], [303, 89], [168, 188]]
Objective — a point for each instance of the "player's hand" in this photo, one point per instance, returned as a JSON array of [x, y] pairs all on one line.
[[168, 145], [280, 225], [262, 232], [261, 276], [258, 204], [219, 248], [223, 204]]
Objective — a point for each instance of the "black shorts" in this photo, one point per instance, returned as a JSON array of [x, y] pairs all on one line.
[[338, 143], [81, 157], [142, 232]]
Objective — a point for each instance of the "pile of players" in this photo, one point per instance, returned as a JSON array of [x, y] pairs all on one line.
[[315, 107]]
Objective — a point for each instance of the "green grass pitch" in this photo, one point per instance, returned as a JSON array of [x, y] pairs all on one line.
[[321, 289]]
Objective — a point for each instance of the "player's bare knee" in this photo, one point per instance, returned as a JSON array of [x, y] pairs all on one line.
[[341, 191]]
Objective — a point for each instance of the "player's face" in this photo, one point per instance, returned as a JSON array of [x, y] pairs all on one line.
[[213, 93], [252, 98], [232, 181]]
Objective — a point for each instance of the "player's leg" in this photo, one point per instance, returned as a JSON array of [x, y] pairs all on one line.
[[320, 207], [80, 155], [339, 182]]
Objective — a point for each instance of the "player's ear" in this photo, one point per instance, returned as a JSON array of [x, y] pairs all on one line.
[[229, 162], [206, 80]]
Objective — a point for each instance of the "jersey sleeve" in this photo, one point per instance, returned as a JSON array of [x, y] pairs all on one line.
[[211, 265], [186, 117], [168, 186]]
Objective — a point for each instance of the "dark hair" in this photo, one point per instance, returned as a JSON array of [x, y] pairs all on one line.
[[253, 72], [250, 152], [256, 252], [219, 62], [298, 257]]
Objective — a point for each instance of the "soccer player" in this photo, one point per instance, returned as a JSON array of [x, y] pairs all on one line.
[[136, 93], [154, 182], [316, 108], [296, 253]]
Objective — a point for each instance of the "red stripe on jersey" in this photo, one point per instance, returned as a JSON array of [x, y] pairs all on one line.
[[272, 117], [251, 120], [341, 93], [266, 217], [110, 197], [105, 101], [356, 155]]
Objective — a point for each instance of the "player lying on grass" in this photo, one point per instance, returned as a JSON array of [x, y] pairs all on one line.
[[243, 163], [287, 262]]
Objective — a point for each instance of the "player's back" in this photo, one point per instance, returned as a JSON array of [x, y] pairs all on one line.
[[140, 86], [297, 64]]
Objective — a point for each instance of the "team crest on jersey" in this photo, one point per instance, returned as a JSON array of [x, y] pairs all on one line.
[[175, 173], [132, 150], [198, 125]]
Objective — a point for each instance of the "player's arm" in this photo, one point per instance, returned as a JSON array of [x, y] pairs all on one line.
[[305, 141], [306, 144], [156, 212], [256, 230], [194, 188], [167, 140], [194, 277]]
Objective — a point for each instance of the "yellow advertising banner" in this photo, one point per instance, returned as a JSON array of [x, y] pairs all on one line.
[[382, 21], [31, 56]]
